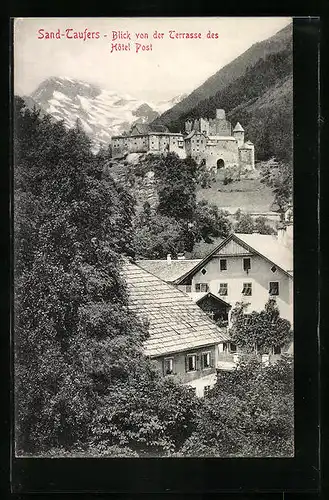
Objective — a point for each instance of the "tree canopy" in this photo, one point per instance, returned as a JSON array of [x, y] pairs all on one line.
[[279, 176], [178, 221], [82, 383], [78, 347], [264, 329]]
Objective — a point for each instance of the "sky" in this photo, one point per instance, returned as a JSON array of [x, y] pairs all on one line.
[[168, 68]]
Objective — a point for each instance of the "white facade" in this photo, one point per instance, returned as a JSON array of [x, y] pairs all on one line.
[[226, 275]]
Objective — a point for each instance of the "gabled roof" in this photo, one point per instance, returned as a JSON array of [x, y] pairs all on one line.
[[238, 128], [168, 272], [218, 299], [267, 246], [176, 323]]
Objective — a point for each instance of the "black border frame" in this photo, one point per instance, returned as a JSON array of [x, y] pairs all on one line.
[[297, 474]]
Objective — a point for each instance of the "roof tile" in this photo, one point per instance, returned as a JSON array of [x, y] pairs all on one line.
[[176, 323]]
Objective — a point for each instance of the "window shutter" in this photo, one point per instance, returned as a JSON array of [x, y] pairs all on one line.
[[163, 366], [197, 362], [186, 363], [212, 359]]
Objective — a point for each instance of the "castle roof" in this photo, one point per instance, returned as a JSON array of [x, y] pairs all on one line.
[[221, 138], [238, 128], [191, 134], [146, 128], [162, 134]]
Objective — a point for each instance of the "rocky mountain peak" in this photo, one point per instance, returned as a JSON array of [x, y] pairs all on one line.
[[102, 113]]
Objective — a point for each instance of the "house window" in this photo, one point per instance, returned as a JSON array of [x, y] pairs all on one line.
[[188, 288], [246, 263], [276, 349], [223, 289], [204, 271], [232, 347], [273, 269], [247, 289], [223, 264], [206, 360], [206, 390], [274, 288], [201, 287], [168, 366], [191, 363]]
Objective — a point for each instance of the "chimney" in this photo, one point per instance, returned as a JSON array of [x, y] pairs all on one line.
[[181, 256], [168, 259], [289, 241]]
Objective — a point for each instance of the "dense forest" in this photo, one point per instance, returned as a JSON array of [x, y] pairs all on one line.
[[82, 383]]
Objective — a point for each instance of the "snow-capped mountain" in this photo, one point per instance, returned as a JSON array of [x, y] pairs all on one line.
[[102, 113]]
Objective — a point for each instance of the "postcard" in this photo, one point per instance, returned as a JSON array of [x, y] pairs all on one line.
[[153, 237]]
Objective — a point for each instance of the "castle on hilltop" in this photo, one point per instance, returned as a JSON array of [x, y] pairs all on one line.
[[209, 140]]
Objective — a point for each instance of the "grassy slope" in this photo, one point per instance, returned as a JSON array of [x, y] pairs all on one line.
[[248, 194]]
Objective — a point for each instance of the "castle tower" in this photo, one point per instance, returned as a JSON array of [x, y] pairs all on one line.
[[188, 126], [196, 125], [220, 114], [238, 134], [204, 126], [221, 125]]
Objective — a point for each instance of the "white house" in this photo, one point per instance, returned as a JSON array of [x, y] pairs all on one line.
[[248, 268]]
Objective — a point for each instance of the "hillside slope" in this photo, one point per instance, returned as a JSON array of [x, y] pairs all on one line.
[[261, 100], [229, 73]]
